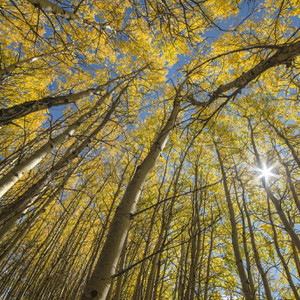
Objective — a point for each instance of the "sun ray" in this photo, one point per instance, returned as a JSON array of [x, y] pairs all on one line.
[[266, 172]]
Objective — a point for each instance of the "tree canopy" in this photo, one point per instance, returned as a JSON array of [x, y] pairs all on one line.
[[150, 149]]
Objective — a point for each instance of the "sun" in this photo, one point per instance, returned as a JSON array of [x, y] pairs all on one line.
[[266, 172]]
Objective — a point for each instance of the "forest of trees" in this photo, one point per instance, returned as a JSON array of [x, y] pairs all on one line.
[[150, 149]]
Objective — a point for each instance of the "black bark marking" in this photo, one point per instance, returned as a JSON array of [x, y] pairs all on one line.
[[94, 293]]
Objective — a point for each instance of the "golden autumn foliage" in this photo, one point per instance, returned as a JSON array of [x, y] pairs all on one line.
[[180, 106]]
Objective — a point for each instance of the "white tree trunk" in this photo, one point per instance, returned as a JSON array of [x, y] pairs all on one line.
[[56, 10], [246, 288], [21, 110], [285, 55], [68, 15], [7, 181], [98, 285], [18, 64], [10, 214]]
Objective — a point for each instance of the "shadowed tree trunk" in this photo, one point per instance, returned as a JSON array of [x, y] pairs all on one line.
[[249, 295], [245, 239], [255, 250], [281, 257]]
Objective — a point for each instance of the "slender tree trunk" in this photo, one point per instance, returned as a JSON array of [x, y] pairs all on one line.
[[155, 264], [296, 258], [246, 251], [181, 272], [16, 157], [99, 283], [255, 251], [140, 279], [9, 114], [281, 57], [10, 245], [37, 261], [249, 295], [160, 244], [62, 263], [157, 280], [288, 227], [7, 181], [20, 63], [207, 278], [10, 214], [118, 291], [139, 285], [195, 242], [285, 265], [287, 142], [292, 187]]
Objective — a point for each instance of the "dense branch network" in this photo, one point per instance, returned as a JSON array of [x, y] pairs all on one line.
[[174, 172]]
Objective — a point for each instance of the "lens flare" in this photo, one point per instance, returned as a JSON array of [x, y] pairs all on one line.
[[266, 172]]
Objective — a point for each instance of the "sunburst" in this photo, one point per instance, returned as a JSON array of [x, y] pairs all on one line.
[[265, 172]]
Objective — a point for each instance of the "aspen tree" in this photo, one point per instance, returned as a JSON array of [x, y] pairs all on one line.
[[8, 70], [140, 281], [63, 13], [15, 112], [257, 258], [287, 142], [245, 246], [276, 202], [249, 295], [9, 215], [98, 285], [281, 257], [161, 240], [8, 180]]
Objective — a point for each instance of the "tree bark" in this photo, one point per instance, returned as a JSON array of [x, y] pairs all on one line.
[[288, 227], [284, 263], [7, 115], [56, 10], [7, 181], [118, 291], [100, 281], [11, 213], [256, 254], [282, 56], [246, 251], [28, 223], [249, 295], [286, 140], [9, 69]]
